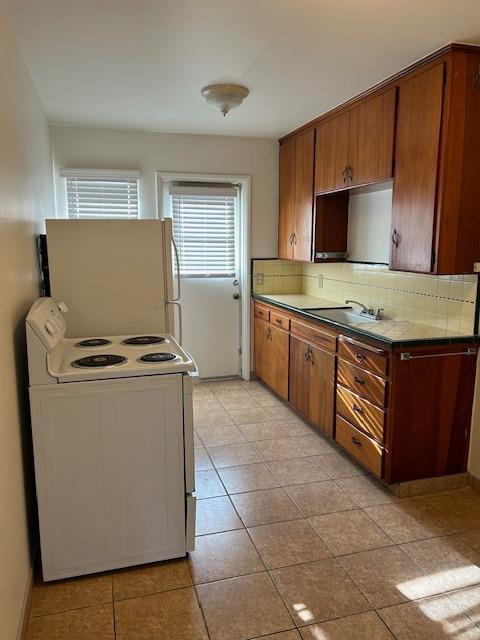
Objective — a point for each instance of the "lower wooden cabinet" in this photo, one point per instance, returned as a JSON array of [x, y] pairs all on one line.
[[271, 356], [403, 413], [312, 382]]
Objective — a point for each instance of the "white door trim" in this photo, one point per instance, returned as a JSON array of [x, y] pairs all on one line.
[[245, 181]]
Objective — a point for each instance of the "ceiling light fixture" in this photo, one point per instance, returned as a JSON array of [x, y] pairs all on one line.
[[225, 96]]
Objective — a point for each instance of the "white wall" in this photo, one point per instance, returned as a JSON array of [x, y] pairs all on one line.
[[474, 455], [369, 220], [26, 196], [150, 152]]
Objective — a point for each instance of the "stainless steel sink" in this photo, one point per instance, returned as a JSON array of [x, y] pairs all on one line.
[[344, 316]]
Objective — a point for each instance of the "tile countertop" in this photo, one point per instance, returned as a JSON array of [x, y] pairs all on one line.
[[394, 333]]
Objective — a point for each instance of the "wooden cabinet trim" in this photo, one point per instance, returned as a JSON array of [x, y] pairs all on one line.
[[363, 414], [279, 320], [364, 383], [364, 355], [313, 334], [261, 311], [358, 444]]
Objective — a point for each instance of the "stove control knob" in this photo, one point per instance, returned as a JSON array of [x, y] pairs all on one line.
[[50, 327], [63, 307]]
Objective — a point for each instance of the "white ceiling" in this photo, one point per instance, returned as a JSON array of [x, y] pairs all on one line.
[[141, 63]]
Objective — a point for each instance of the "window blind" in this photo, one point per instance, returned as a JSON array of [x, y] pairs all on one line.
[[107, 195], [204, 228]]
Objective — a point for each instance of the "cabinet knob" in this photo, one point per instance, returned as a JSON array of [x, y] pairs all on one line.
[[357, 408], [359, 380], [356, 442]]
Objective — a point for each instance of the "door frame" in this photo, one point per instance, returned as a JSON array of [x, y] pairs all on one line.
[[163, 178]]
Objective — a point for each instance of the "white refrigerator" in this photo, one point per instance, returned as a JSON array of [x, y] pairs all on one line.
[[115, 276]]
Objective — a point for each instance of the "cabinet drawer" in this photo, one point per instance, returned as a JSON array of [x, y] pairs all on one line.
[[364, 355], [363, 448], [261, 312], [360, 412], [322, 338], [365, 384], [279, 321]]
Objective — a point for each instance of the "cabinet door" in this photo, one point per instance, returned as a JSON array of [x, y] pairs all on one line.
[[372, 128], [286, 206], [332, 153], [321, 389], [299, 390], [417, 142], [304, 160], [261, 348], [278, 362]]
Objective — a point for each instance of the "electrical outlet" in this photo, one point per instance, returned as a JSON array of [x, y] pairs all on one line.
[[259, 278], [320, 281]]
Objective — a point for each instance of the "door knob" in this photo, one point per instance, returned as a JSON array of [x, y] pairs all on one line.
[[236, 296], [235, 282]]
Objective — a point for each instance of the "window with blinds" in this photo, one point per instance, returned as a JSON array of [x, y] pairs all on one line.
[[204, 228], [93, 195]]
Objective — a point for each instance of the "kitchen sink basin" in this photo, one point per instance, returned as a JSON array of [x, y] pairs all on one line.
[[344, 316]]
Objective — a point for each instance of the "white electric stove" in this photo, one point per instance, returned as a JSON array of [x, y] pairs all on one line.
[[112, 425]]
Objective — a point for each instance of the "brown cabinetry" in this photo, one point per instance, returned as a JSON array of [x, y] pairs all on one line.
[[356, 147], [312, 382], [295, 218], [416, 158], [421, 128], [271, 354], [435, 224], [403, 414]]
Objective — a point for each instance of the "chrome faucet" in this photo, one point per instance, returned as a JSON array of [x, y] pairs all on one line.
[[366, 311], [364, 308]]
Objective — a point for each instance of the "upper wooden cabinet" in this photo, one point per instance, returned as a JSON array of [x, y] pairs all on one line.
[[419, 118], [356, 147], [295, 219], [420, 127], [332, 154], [372, 128], [435, 223]]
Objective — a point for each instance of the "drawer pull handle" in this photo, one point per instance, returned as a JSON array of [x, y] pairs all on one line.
[[357, 409], [278, 320], [359, 356], [356, 442], [358, 380]]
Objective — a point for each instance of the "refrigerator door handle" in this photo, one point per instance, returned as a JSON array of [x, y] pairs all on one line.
[[177, 265], [180, 324]]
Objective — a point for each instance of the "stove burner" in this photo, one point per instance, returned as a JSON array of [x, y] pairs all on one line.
[[93, 342], [144, 340], [100, 360], [157, 357]]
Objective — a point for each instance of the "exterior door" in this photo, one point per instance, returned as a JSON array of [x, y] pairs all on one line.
[[206, 232]]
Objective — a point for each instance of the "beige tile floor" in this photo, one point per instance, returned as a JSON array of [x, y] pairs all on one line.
[[295, 542]]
